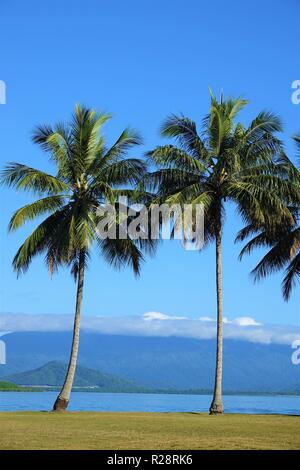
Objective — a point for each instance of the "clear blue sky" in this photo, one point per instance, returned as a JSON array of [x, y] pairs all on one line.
[[142, 60]]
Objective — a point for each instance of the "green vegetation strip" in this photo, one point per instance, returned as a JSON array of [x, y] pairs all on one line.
[[10, 387], [86, 430]]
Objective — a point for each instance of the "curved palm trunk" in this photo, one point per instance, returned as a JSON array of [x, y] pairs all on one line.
[[216, 406], [63, 398]]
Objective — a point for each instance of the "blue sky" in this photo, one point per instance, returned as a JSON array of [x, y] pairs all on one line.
[[142, 61]]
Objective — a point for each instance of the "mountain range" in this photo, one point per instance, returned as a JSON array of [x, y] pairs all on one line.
[[159, 362]]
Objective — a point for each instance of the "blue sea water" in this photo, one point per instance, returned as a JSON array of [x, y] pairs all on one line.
[[84, 401]]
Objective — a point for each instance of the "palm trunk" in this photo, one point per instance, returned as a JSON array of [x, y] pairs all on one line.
[[216, 406], [63, 398]]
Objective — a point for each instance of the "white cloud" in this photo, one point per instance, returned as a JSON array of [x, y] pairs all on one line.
[[242, 321], [246, 321], [155, 324], [161, 316]]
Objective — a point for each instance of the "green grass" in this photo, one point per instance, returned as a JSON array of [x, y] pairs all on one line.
[[86, 430]]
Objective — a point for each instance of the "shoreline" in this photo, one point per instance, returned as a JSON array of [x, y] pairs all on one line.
[[43, 389]]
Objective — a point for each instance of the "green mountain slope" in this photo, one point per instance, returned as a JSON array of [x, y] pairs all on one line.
[[53, 374]]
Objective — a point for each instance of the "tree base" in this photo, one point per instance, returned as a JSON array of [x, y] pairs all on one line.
[[60, 404], [216, 409]]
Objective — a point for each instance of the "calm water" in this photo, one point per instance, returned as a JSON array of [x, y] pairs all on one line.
[[83, 401]]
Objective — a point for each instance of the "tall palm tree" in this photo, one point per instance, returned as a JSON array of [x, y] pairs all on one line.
[[225, 162], [283, 241], [88, 174]]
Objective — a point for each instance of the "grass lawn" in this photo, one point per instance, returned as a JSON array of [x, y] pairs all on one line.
[[86, 430]]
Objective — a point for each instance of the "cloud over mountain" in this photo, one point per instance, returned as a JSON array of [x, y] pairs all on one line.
[[155, 324]]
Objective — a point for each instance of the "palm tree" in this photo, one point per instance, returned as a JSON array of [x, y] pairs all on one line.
[[87, 175], [225, 162], [283, 241]]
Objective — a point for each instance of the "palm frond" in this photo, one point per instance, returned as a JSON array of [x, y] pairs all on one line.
[[129, 138], [35, 209], [184, 130], [24, 177], [291, 276], [128, 171], [297, 142], [282, 252], [173, 157], [38, 242], [168, 181], [264, 123], [120, 253]]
